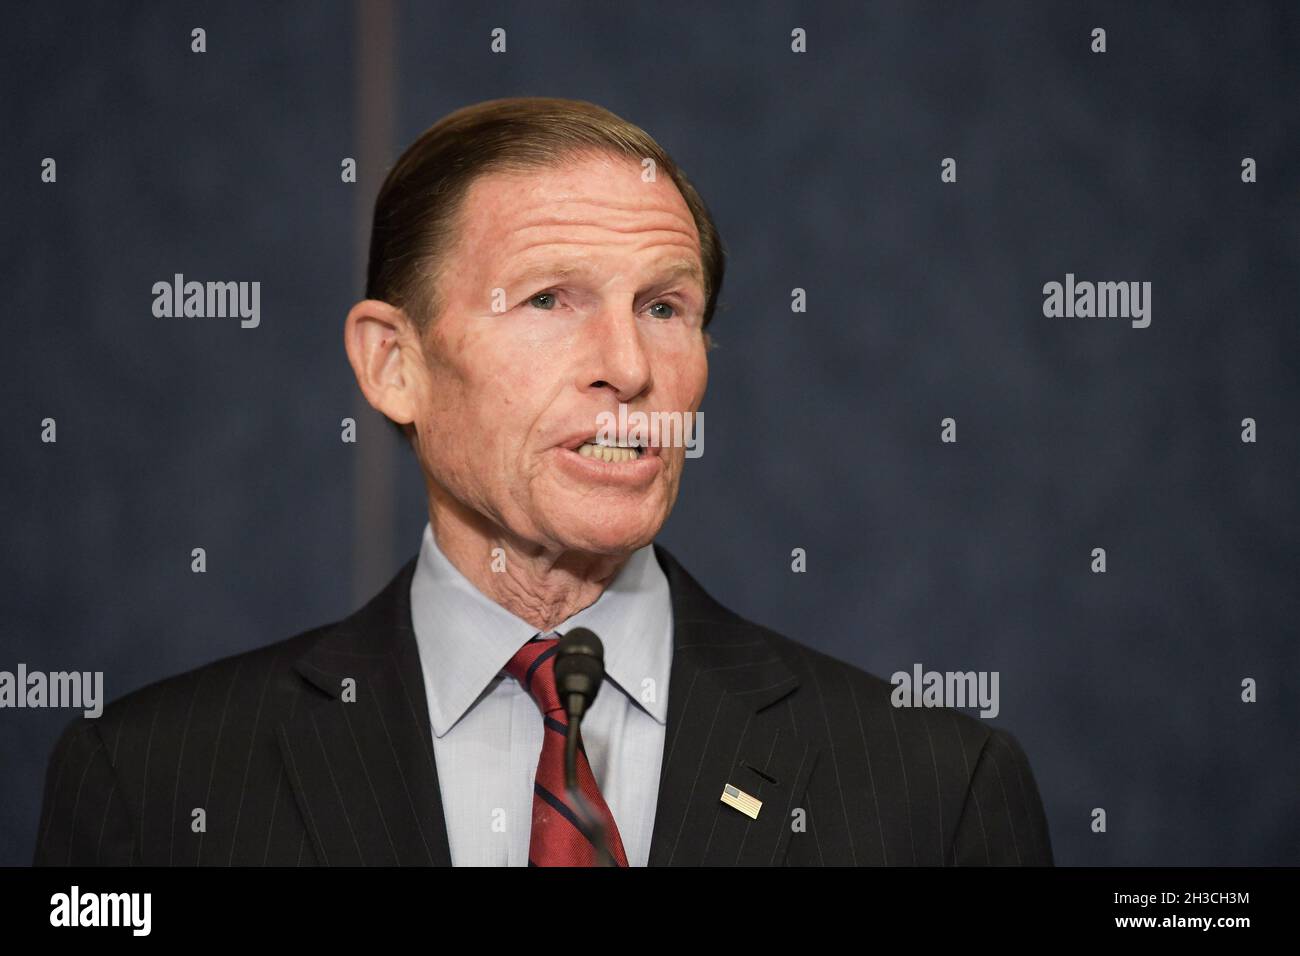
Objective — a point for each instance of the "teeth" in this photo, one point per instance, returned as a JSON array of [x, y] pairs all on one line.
[[608, 453]]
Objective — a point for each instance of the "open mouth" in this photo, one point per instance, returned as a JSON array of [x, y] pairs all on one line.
[[603, 450]]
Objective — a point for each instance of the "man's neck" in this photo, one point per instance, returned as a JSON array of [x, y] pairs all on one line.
[[541, 586]]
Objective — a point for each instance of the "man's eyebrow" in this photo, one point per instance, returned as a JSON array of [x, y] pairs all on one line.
[[677, 268], [546, 270], [666, 272]]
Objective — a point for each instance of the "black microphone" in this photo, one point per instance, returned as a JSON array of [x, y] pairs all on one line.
[[579, 671]]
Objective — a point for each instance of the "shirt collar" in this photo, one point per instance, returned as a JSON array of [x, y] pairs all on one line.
[[466, 639]]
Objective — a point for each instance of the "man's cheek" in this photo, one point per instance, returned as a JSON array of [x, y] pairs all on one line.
[[453, 444], [685, 385]]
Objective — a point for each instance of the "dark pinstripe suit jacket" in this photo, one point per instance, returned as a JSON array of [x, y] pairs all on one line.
[[287, 773]]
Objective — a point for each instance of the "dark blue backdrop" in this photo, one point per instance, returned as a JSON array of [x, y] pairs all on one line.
[[822, 169]]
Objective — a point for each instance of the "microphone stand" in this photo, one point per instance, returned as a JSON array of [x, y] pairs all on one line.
[[579, 670], [590, 822]]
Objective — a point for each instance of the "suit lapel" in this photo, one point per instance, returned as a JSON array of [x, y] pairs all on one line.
[[724, 671], [363, 770]]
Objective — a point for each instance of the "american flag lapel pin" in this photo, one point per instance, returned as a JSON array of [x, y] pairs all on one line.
[[735, 797]]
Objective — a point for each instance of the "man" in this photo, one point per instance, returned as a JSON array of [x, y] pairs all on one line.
[[536, 265]]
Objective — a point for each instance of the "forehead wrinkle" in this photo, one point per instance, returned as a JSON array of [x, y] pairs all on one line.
[[535, 214], [567, 192], [540, 205], [658, 222], [561, 263], [562, 246], [526, 242], [631, 231]]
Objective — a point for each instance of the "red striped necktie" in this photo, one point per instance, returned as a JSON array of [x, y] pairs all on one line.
[[557, 839]]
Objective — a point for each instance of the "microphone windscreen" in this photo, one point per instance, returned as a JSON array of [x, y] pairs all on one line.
[[579, 664]]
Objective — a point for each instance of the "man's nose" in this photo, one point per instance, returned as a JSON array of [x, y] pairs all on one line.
[[619, 357]]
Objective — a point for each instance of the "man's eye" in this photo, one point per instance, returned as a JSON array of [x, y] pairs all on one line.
[[543, 296], [666, 305]]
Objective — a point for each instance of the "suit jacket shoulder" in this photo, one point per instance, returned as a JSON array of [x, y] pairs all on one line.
[[188, 769], [891, 786]]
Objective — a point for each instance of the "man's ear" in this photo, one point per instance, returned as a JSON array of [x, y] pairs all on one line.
[[383, 348]]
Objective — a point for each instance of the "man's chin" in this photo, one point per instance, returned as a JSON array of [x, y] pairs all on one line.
[[612, 536]]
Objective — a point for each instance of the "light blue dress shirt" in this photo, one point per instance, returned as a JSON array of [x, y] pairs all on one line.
[[487, 730]]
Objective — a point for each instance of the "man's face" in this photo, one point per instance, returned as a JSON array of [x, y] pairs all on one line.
[[563, 296]]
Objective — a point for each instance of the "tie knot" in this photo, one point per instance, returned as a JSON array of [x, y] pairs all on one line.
[[534, 667]]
